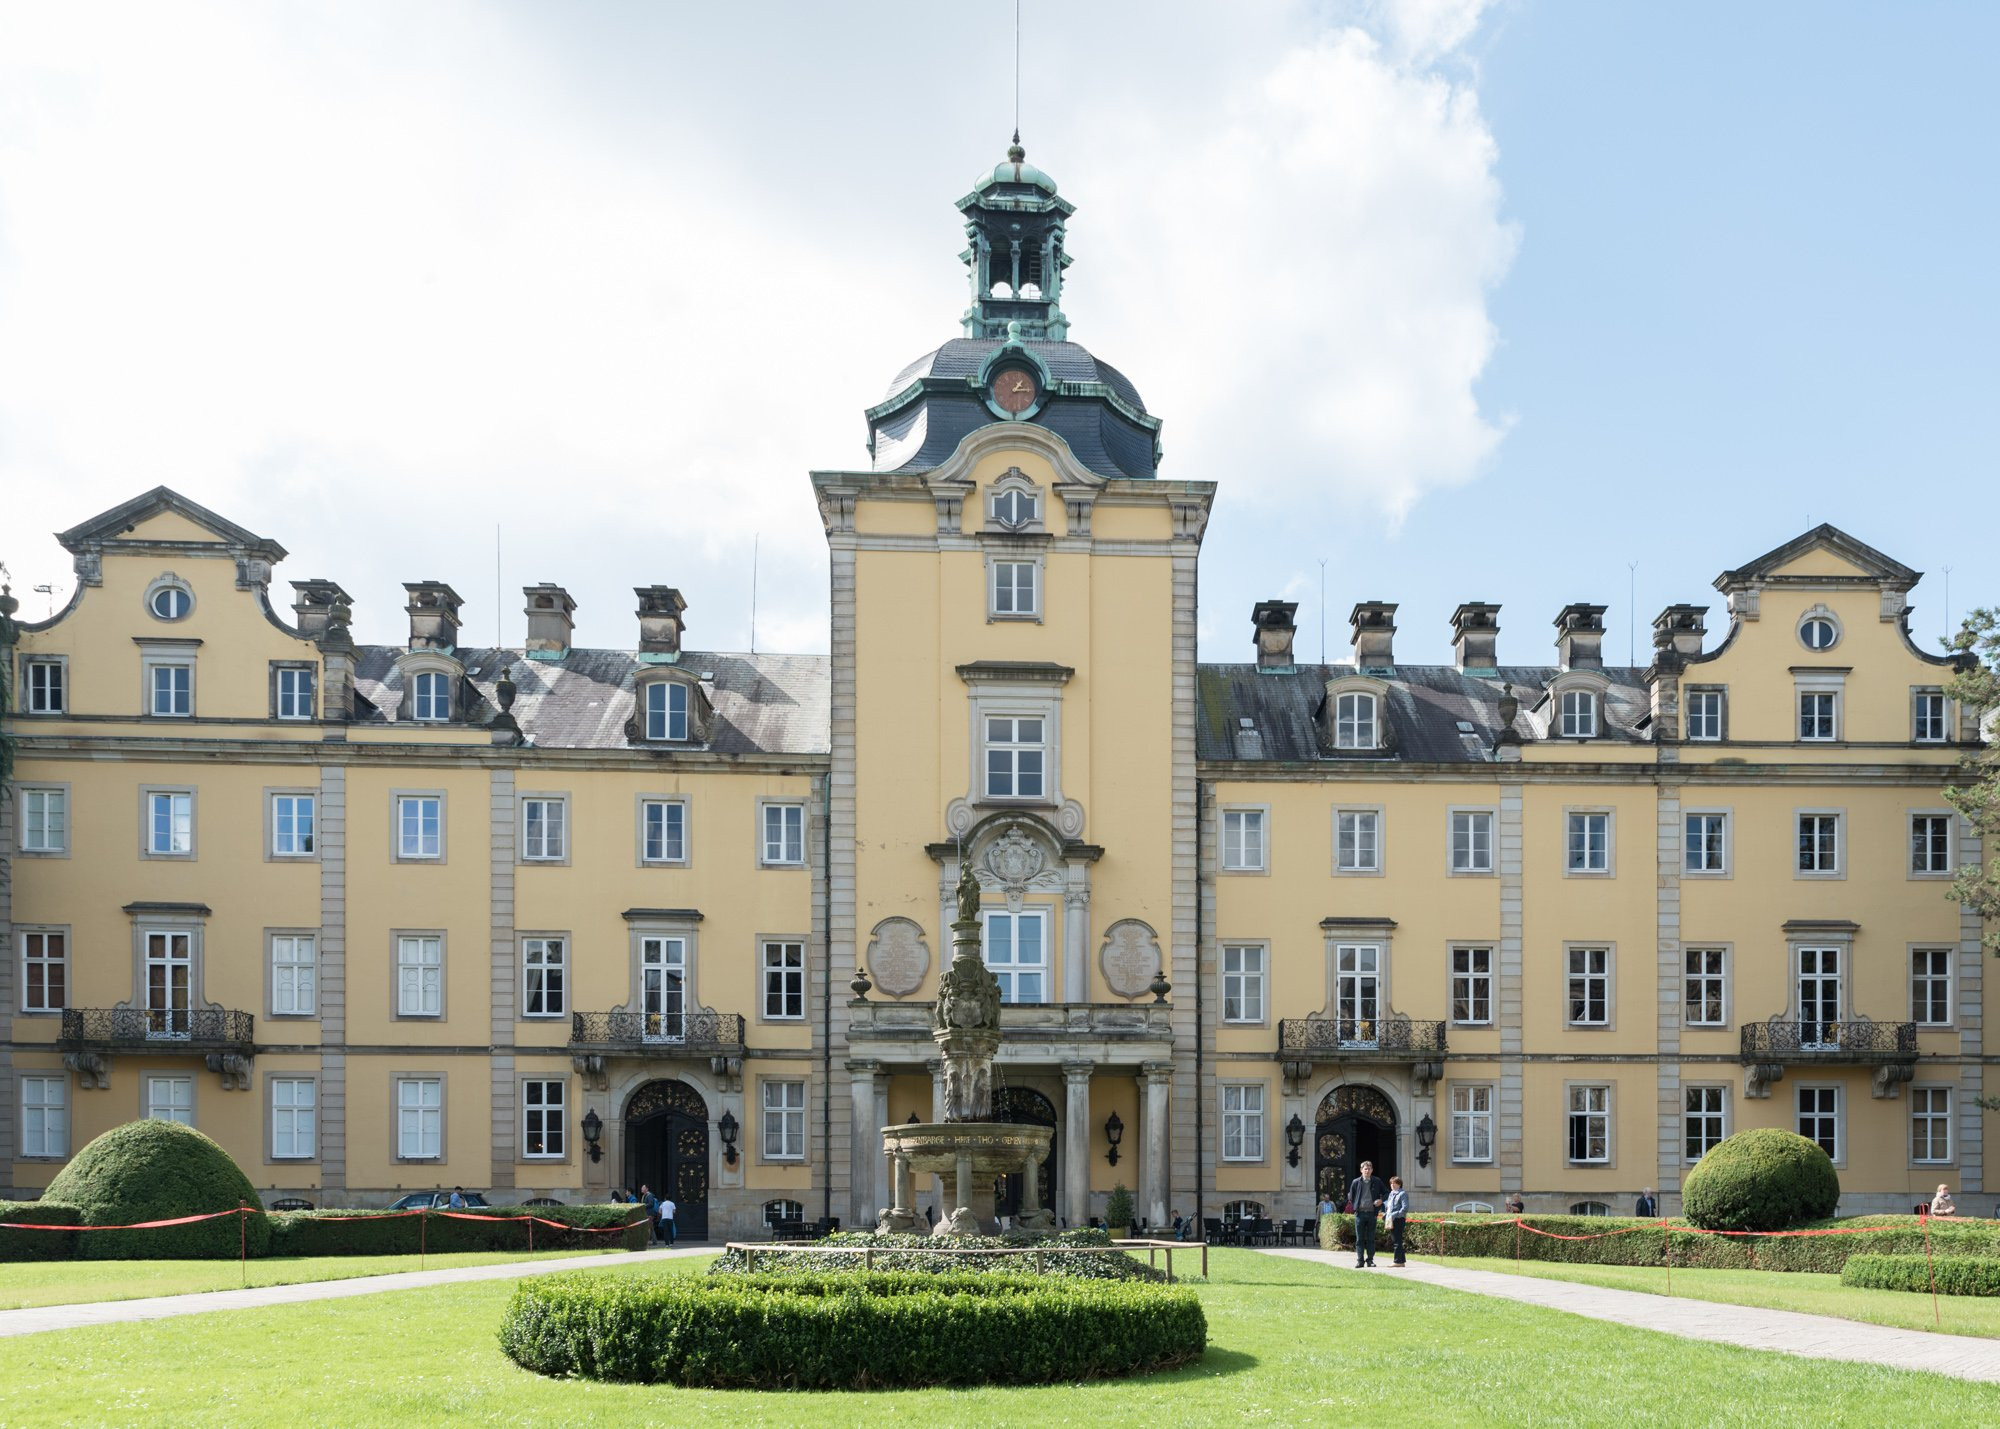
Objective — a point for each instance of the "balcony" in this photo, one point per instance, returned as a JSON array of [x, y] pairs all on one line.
[[1030, 1031], [223, 1038], [1769, 1047], [657, 1034], [1304, 1042]]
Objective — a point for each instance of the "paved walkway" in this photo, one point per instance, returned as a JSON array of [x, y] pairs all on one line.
[[1820, 1337], [36, 1319]]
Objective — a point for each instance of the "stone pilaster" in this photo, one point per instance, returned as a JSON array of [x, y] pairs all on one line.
[[840, 870], [331, 1107], [880, 1118], [1188, 951], [9, 995], [1969, 1135], [1509, 994], [1076, 1142], [1669, 834], [504, 982]]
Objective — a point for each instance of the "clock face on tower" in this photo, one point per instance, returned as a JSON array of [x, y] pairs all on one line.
[[1014, 390]]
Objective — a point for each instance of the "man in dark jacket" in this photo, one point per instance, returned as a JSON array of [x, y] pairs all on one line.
[[1647, 1207], [1365, 1195]]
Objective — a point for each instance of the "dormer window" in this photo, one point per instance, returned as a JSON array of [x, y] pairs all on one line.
[[430, 697], [1015, 508], [1578, 714], [1355, 724], [667, 711]]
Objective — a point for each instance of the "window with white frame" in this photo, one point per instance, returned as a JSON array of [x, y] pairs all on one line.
[[293, 825], [1017, 953], [1706, 847], [1242, 1123], [1472, 1123], [44, 684], [1705, 986], [663, 831], [1819, 1117], [294, 1115], [169, 972], [1472, 841], [1930, 1124], [667, 711], [430, 696], [44, 1116], [1357, 998], [170, 600], [1930, 843], [170, 1099], [1819, 714], [542, 1127], [1704, 715], [1578, 717], [1704, 1120], [420, 975], [1589, 1208], [1928, 716], [1590, 987], [1357, 840], [419, 1119], [419, 826], [294, 975], [1243, 982], [1819, 843], [784, 981], [44, 820], [544, 977], [1819, 998], [44, 970], [1589, 1125], [1930, 987], [784, 835], [295, 692], [1015, 508], [1472, 986], [169, 824], [544, 830], [663, 988], [1587, 848], [171, 686], [1014, 589], [1356, 724], [1016, 757], [1242, 840], [1818, 632], [782, 1210], [784, 1121]]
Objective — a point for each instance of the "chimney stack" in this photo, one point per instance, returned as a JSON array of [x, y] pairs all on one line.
[[1680, 628], [1276, 628], [1580, 637], [660, 623], [313, 606], [1475, 636], [1374, 623], [433, 612], [551, 619]]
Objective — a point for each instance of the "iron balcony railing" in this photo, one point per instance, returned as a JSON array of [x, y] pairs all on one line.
[[1331, 1038], [658, 1033], [200, 1029], [1858, 1039]]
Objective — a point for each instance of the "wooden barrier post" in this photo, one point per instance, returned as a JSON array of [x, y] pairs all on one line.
[[243, 1239], [1930, 1266], [1667, 1252], [1517, 1240], [423, 1249], [1204, 1257]]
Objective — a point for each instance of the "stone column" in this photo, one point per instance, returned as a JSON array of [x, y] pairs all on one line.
[[1076, 1142], [864, 1139], [937, 1114], [1158, 1079], [883, 1193]]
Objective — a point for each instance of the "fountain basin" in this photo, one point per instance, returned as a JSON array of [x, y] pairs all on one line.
[[968, 1154]]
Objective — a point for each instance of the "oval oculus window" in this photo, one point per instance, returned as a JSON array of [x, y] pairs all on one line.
[[1818, 633], [171, 602]]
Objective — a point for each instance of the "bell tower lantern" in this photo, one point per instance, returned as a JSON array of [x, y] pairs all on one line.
[[1016, 250]]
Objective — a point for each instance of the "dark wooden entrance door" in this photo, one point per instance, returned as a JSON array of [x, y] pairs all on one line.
[[666, 1147], [1023, 1104], [1355, 1124]]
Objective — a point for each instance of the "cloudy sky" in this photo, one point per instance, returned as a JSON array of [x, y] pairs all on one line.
[[1523, 301]]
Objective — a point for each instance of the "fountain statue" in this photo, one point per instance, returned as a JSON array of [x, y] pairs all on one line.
[[966, 1147]]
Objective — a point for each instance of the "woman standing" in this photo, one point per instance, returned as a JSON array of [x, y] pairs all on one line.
[[1398, 1214]]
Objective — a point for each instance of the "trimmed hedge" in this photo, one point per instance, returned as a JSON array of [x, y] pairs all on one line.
[[157, 1170], [813, 1331], [916, 1254], [1766, 1179], [38, 1245], [1959, 1275], [373, 1233]]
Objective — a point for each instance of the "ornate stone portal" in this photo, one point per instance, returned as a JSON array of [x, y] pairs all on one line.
[[966, 1145]]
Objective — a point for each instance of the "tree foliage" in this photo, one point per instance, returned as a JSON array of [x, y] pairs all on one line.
[[1976, 792]]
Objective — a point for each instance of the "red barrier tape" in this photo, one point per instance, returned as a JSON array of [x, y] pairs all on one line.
[[379, 1216], [1521, 1224]]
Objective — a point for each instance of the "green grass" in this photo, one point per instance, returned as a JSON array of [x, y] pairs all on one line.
[[1770, 1289], [1291, 1342], [76, 1282]]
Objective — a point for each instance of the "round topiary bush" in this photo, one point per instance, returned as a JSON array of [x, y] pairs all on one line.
[[1762, 1180], [155, 1171]]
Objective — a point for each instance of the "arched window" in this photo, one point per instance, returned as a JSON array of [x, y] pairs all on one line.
[[1579, 714], [1475, 1208], [667, 710], [1014, 507], [775, 1211], [1590, 1208], [430, 696], [1243, 1210], [1354, 723]]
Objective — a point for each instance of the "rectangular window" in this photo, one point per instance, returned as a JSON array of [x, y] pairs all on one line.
[[292, 825], [1242, 983], [1588, 848], [1819, 998], [663, 831], [542, 1119], [1242, 1123], [419, 826], [1471, 841], [784, 1121], [170, 1099], [1015, 756], [1354, 724], [170, 825], [420, 976], [1014, 588], [169, 970], [1930, 1124], [1471, 1124], [1930, 843], [544, 969], [44, 1116], [1704, 714], [1819, 1118], [1017, 953], [294, 1112], [1930, 987], [544, 830], [1816, 714], [784, 981], [1472, 986], [1706, 987], [172, 687], [1579, 714], [663, 988], [1707, 843], [1704, 1120], [1590, 1125], [295, 692], [1358, 993], [1927, 717], [294, 977], [1242, 840], [419, 1119], [44, 820], [667, 710], [45, 686], [785, 835], [44, 971], [1358, 841], [1590, 987], [1819, 843]]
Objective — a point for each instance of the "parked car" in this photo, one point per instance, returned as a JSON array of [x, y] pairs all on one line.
[[435, 1200]]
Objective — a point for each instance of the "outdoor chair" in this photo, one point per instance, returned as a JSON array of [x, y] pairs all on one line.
[[1211, 1229]]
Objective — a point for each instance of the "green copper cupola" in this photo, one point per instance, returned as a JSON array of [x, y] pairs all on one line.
[[1016, 250]]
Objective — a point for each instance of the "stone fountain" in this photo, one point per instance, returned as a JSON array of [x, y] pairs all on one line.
[[967, 1148]]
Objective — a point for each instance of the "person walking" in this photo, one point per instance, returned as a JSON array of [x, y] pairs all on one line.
[[1647, 1207], [652, 1205], [458, 1198], [1397, 1213], [667, 1209], [1365, 1195]]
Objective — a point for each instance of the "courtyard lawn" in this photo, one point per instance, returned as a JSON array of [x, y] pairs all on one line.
[[1770, 1289], [1290, 1342], [77, 1282]]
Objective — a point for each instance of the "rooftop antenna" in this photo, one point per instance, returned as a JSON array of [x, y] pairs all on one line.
[[755, 540], [1017, 71], [50, 592], [498, 603], [1947, 604], [1322, 610], [1631, 611]]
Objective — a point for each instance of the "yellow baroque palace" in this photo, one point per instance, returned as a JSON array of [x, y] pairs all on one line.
[[548, 921]]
